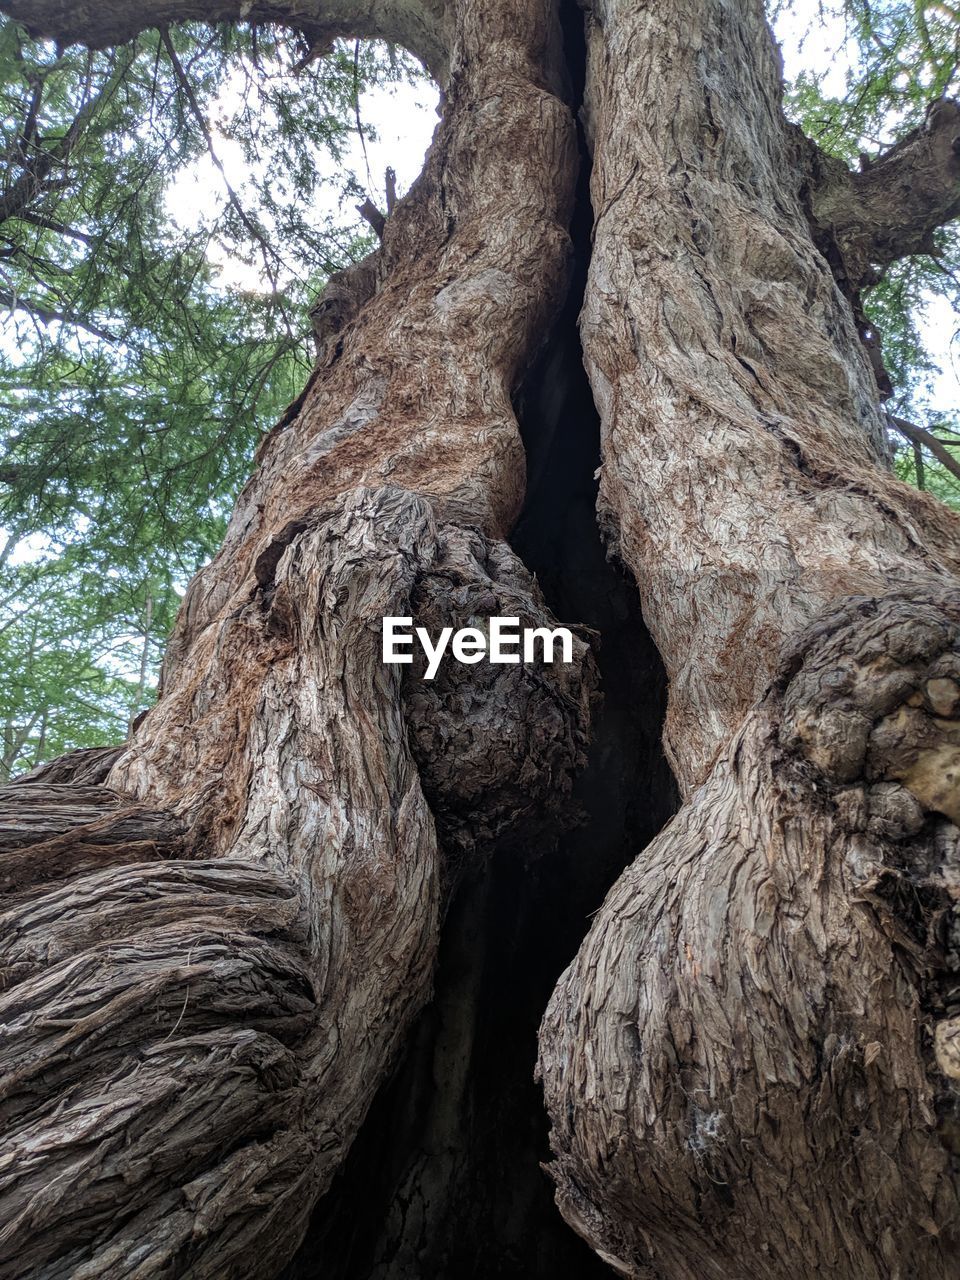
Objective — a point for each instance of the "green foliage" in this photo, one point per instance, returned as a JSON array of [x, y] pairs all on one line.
[[135, 375], [899, 57], [73, 641], [918, 466]]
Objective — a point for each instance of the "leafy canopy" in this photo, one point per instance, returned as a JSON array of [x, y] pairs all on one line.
[[136, 373]]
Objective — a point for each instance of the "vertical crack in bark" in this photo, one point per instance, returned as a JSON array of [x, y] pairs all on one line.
[[444, 1180]]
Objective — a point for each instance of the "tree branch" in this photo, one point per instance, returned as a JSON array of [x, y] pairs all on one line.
[[370, 213], [35, 178], [267, 252], [418, 25], [919, 437], [890, 209], [48, 315], [50, 224]]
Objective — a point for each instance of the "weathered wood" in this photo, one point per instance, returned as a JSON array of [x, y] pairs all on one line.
[[183, 1079], [744, 476], [740, 1062], [740, 1065], [50, 831], [751, 1066], [86, 766]]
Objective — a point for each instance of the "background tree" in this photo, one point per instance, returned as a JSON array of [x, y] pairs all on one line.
[[214, 961], [135, 379]]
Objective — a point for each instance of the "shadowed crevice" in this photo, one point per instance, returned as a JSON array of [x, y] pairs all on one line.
[[444, 1181]]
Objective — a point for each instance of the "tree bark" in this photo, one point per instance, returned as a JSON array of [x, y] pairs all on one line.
[[183, 1080], [215, 959], [742, 1064]]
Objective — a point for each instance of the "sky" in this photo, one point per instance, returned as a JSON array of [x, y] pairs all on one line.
[[398, 122]]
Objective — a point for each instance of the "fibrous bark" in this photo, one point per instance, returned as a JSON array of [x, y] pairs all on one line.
[[743, 478], [185, 1076], [445, 1177], [740, 1065], [751, 1065]]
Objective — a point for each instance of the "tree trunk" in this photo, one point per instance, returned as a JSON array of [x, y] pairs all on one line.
[[751, 1065], [215, 960]]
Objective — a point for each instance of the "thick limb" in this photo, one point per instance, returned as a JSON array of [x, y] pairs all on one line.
[[739, 1066], [294, 933]]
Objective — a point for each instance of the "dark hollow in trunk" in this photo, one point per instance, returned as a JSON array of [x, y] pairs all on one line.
[[445, 1180]]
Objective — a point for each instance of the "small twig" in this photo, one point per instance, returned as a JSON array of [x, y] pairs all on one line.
[[918, 466], [318, 49], [370, 213], [390, 179], [356, 108], [267, 252], [48, 315]]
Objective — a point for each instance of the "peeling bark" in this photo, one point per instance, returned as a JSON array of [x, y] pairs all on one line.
[[741, 1065]]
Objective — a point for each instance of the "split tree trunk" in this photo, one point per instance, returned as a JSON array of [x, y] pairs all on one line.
[[212, 962]]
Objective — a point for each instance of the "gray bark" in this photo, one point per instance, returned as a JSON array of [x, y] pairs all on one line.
[[741, 1065]]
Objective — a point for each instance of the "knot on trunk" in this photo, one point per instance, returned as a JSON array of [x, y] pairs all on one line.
[[498, 745], [872, 718], [343, 297], [876, 701], [871, 701]]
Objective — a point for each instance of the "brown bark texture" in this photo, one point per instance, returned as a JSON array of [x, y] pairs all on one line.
[[742, 1065], [193, 1031], [217, 944]]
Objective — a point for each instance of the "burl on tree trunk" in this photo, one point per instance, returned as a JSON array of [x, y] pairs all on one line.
[[213, 960]]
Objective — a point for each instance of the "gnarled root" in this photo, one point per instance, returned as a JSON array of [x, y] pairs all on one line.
[[200, 997]]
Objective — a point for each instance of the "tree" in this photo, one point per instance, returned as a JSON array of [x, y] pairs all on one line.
[[117, 312], [219, 939]]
